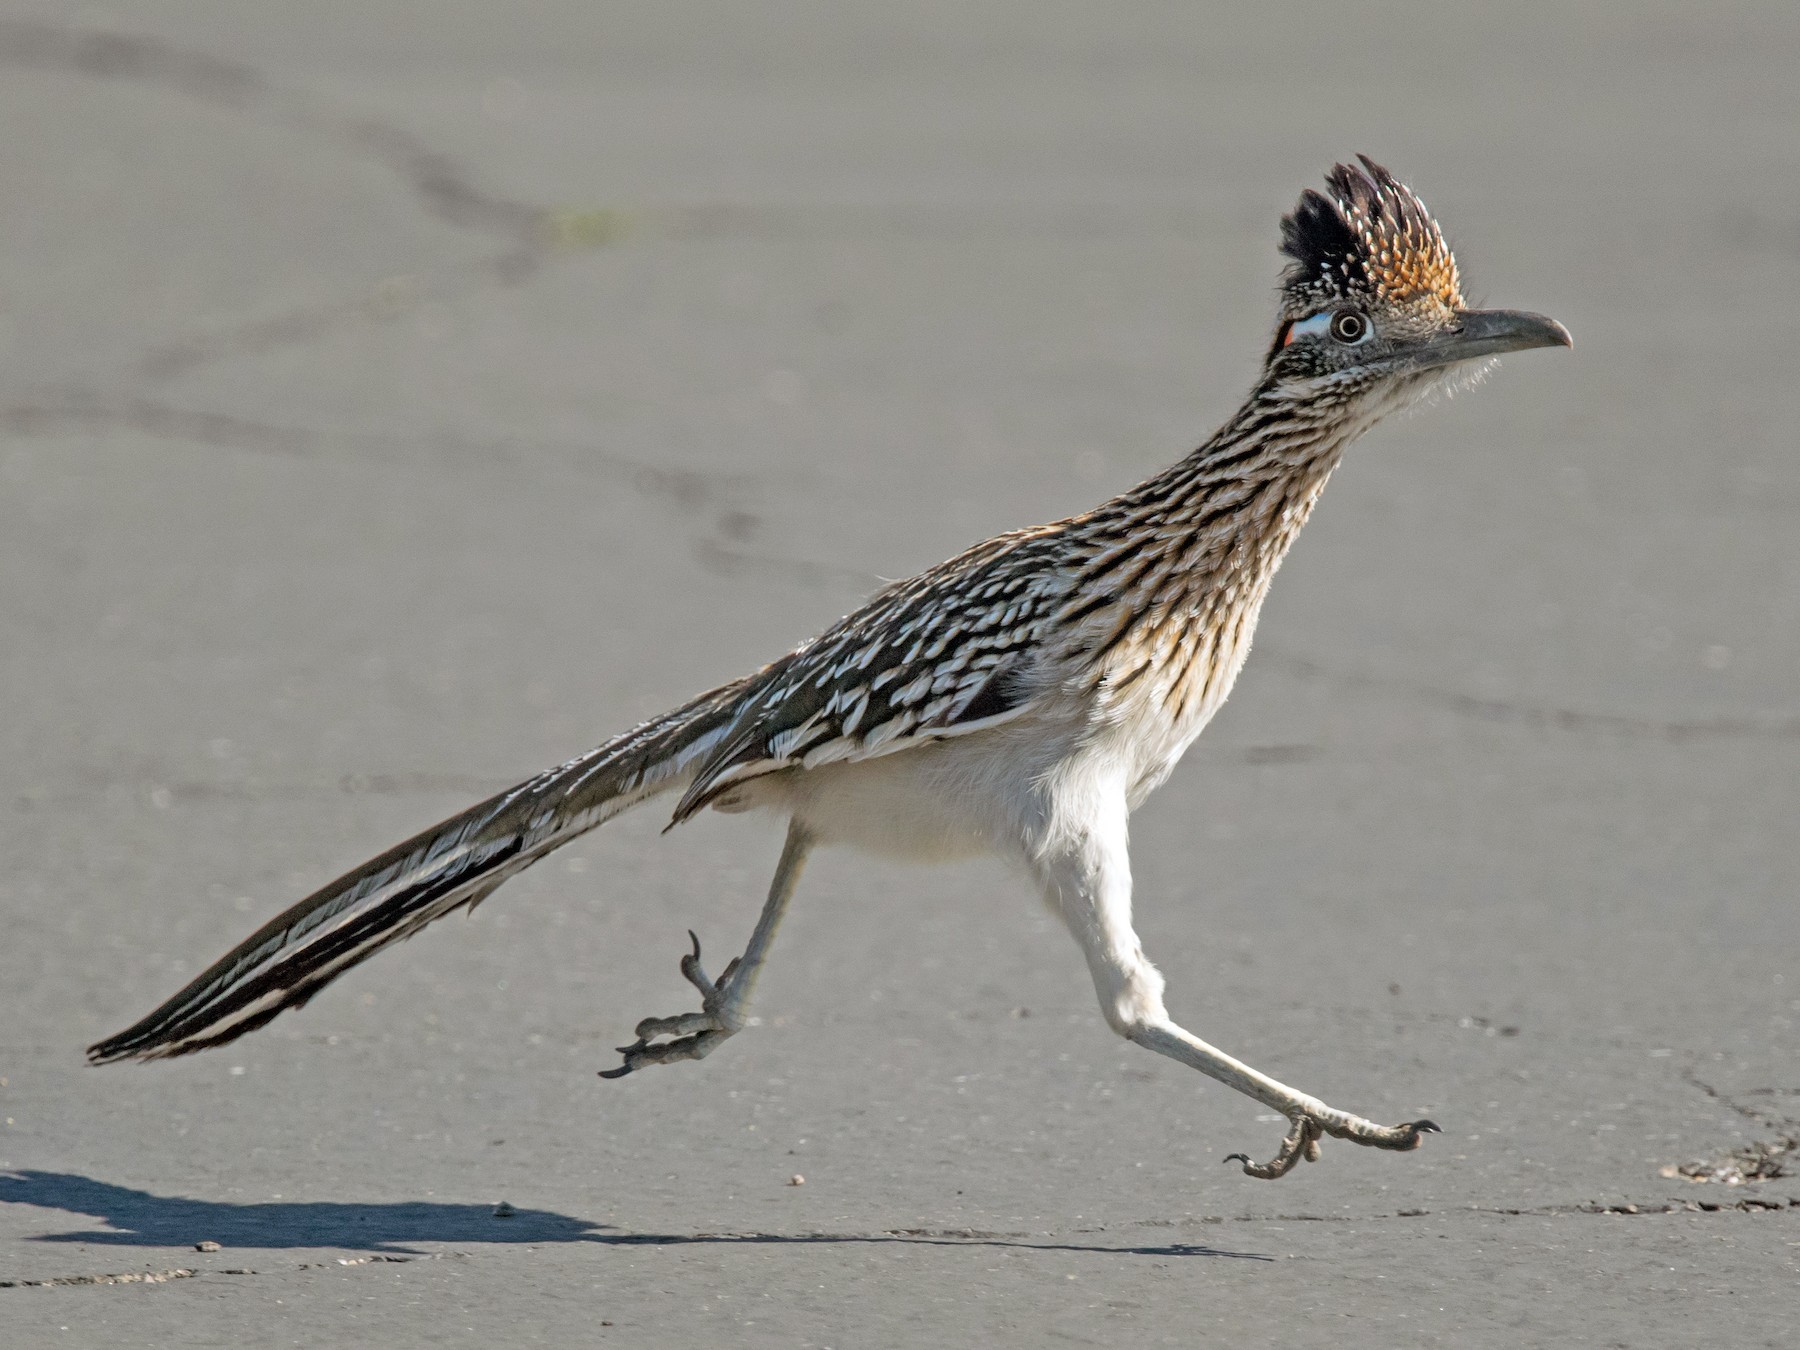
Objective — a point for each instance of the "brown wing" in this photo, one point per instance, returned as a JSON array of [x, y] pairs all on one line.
[[950, 651]]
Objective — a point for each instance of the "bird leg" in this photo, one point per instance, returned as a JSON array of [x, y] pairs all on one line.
[[1311, 1120], [724, 1003], [1086, 877]]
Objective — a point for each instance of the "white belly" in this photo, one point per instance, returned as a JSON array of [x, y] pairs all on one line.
[[956, 798], [1001, 791]]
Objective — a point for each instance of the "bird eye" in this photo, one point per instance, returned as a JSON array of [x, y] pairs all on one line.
[[1349, 326]]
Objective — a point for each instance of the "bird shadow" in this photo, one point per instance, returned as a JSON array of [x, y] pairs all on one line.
[[141, 1219]]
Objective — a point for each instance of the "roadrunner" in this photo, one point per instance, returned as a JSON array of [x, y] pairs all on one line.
[[1020, 699]]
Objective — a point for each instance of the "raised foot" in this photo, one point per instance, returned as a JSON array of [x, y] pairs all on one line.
[[691, 1035], [1309, 1128]]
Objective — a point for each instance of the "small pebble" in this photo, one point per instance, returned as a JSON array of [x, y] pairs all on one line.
[[796, 1180], [504, 1211], [208, 1246]]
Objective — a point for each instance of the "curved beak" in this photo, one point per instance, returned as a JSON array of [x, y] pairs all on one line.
[[1488, 332]]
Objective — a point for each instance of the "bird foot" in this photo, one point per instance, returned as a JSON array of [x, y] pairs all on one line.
[[691, 1035], [1310, 1128]]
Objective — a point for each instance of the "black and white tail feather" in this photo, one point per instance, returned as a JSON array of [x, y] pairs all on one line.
[[455, 864]]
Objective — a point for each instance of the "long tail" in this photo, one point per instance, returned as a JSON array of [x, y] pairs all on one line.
[[459, 862]]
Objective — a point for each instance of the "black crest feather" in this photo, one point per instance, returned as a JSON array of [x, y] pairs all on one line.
[[1319, 240], [1371, 233]]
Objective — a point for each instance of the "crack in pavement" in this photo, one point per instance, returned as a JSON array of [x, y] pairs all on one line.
[[189, 1273], [1694, 1080], [1747, 1205], [127, 1277], [431, 177], [1759, 1160], [1543, 717], [688, 488], [923, 1237], [221, 430], [299, 326]]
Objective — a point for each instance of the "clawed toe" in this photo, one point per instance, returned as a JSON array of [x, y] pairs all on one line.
[[1301, 1144], [1303, 1140], [1408, 1134], [691, 1035], [644, 1054], [682, 1024], [624, 1068], [692, 972]]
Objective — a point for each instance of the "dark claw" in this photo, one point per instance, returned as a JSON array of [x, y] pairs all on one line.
[[1237, 1157], [1426, 1127], [628, 1051], [695, 939]]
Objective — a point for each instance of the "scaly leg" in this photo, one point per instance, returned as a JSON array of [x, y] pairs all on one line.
[[724, 1004], [1086, 876]]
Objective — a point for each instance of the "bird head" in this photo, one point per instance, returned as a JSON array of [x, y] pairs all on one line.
[[1372, 301]]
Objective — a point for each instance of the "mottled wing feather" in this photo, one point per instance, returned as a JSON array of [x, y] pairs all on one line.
[[950, 651]]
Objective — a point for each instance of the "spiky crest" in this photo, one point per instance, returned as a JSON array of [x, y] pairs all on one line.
[[1372, 240]]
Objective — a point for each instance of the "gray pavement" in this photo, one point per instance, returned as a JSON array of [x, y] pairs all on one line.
[[397, 399]]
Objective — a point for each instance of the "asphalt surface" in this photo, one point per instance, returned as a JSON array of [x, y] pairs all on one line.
[[395, 400]]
